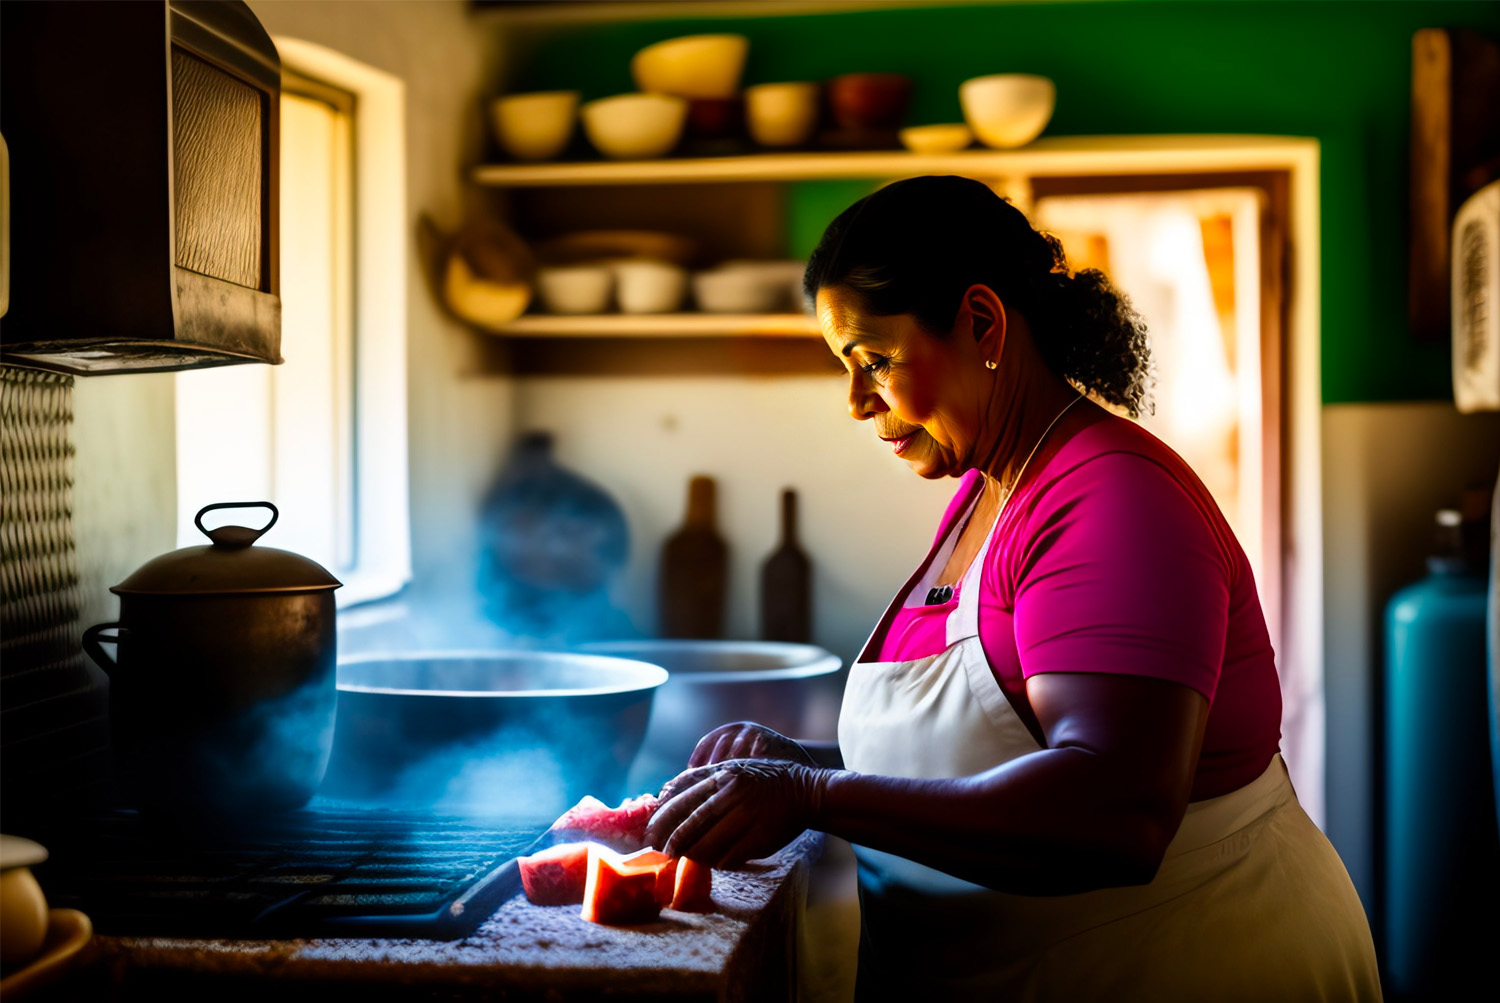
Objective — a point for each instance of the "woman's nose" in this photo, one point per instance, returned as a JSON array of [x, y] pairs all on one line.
[[864, 403]]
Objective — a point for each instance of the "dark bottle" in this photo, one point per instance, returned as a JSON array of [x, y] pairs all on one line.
[[551, 542], [694, 570], [786, 583]]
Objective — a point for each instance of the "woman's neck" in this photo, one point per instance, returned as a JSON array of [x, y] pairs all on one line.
[[1027, 398]]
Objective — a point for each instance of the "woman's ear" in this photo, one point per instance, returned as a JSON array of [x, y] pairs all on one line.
[[986, 315]]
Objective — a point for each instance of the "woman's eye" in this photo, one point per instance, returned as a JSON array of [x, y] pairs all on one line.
[[875, 367]]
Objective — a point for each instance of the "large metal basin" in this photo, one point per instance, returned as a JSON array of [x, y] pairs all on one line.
[[792, 688], [508, 732]]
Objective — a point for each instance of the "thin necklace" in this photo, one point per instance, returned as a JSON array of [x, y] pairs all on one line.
[[1007, 492]]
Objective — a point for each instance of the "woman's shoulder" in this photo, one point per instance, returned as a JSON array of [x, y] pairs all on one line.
[[1112, 447]]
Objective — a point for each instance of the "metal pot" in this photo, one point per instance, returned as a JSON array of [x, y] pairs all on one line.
[[792, 688], [222, 688], [507, 732]]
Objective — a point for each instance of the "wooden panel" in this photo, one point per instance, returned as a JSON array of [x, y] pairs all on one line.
[[217, 138], [1455, 151], [659, 356], [726, 221], [1049, 155], [1275, 306]]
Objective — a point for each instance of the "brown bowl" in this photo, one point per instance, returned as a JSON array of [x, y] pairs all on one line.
[[869, 102]]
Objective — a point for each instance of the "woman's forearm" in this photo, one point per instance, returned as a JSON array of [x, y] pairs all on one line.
[[1054, 822]]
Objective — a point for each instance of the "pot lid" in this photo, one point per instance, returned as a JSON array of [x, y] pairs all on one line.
[[229, 565], [18, 852]]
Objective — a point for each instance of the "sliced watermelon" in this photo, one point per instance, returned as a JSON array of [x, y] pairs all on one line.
[[556, 875], [693, 886], [619, 890], [622, 829]]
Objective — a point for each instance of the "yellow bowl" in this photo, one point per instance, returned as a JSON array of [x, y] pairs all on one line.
[[945, 138], [535, 126], [693, 66], [635, 126]]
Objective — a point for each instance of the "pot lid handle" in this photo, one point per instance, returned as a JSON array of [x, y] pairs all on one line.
[[235, 537]]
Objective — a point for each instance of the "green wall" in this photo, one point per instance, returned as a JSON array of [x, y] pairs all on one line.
[[1337, 71]]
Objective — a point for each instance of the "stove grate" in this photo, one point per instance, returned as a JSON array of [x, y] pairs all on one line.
[[326, 871]]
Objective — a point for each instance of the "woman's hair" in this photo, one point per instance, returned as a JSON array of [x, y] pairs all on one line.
[[914, 247]]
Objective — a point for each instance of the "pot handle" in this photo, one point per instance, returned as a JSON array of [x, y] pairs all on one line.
[[235, 537], [92, 637]]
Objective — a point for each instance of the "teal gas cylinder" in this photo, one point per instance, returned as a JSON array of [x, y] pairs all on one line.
[[1442, 851]]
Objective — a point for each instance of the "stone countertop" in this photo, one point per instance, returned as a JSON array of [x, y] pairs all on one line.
[[745, 950]]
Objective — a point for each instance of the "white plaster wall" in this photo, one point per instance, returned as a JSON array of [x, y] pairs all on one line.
[[866, 519], [1386, 469], [124, 482], [460, 413]]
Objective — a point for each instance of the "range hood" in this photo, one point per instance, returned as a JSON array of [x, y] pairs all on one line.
[[143, 186]]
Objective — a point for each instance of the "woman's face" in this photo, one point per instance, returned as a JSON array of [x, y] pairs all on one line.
[[925, 395]]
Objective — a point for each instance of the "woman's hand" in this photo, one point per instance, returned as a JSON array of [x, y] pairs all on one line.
[[726, 813], [747, 740]]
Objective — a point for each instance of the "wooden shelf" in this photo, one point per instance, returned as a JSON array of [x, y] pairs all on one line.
[[661, 325], [1063, 155]]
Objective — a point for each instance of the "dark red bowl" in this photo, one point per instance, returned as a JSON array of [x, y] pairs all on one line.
[[869, 101]]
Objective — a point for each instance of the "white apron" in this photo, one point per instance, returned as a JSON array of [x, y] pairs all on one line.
[[1251, 902]]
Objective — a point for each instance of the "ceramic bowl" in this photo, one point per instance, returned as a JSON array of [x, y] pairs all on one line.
[[715, 118], [23, 908], [575, 289], [739, 287], [791, 688], [646, 286], [1007, 110], [782, 114], [869, 101], [945, 138], [535, 126], [635, 126], [693, 66]]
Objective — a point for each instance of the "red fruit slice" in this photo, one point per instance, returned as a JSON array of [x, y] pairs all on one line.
[[619, 890], [666, 872], [622, 828], [693, 888], [556, 875]]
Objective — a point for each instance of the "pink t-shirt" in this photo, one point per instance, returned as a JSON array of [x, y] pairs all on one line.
[[1113, 557]]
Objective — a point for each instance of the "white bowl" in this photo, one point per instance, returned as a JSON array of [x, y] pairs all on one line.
[[781, 114], [575, 289], [739, 287], [1007, 110], [693, 66], [535, 126], [646, 286], [635, 126], [945, 138]]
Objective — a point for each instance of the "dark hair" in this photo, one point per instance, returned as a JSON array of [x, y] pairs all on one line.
[[915, 246]]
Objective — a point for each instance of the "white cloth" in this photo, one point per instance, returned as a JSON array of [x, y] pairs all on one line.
[[1251, 902]]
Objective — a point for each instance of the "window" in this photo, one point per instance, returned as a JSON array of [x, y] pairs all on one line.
[[323, 435]]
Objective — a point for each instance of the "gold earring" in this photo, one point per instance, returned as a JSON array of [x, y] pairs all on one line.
[[989, 363]]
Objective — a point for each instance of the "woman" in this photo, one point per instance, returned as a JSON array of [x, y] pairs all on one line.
[[1059, 747]]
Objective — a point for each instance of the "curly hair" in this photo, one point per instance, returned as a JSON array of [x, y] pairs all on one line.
[[915, 246]]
